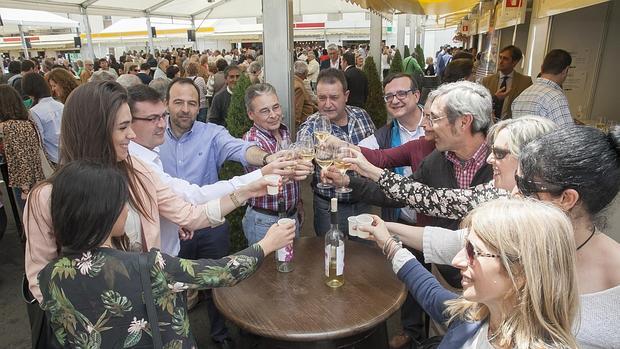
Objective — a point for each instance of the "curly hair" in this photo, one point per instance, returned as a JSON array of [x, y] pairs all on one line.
[[65, 80]]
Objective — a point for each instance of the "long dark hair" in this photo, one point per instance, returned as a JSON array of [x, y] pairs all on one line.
[[87, 199], [86, 134], [11, 104], [33, 84]]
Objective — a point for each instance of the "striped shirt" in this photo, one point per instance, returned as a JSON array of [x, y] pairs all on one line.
[[544, 98], [359, 126], [465, 170], [267, 142]]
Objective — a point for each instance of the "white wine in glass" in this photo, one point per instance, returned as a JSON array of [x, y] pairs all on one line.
[[322, 129], [342, 166], [324, 158]]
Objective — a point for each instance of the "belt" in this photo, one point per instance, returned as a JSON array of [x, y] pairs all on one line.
[[289, 213]]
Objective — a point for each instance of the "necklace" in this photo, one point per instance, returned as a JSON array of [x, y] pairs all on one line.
[[588, 239]]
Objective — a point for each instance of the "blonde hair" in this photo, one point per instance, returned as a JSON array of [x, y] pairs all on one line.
[[536, 248], [522, 130]]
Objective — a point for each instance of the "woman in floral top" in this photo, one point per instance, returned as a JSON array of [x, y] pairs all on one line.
[[92, 293]]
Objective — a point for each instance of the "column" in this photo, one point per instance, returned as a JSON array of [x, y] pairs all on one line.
[[537, 40], [413, 23], [149, 33], [278, 52], [23, 40], [90, 50], [193, 27], [376, 30], [400, 33]]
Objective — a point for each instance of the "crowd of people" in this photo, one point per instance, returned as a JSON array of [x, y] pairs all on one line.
[[492, 200]]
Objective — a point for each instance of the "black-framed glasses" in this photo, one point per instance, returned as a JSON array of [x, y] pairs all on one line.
[[529, 187], [153, 118], [499, 153], [472, 253], [399, 94]]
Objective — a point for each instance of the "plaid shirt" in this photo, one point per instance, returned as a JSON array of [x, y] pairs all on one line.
[[359, 127], [267, 142], [464, 171], [544, 98]]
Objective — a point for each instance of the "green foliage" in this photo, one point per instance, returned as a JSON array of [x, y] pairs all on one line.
[[397, 63], [238, 123], [420, 56], [237, 120], [375, 106], [406, 52]]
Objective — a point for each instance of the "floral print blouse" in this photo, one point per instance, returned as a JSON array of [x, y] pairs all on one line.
[[94, 299], [437, 202]]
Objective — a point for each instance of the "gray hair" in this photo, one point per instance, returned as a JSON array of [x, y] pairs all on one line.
[[300, 68], [332, 47], [522, 131], [128, 80], [254, 67], [161, 86], [467, 98], [257, 90], [102, 75]]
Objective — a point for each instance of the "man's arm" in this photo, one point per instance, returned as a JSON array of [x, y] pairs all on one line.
[[254, 156]]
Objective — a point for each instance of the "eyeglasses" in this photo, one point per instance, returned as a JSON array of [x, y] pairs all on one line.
[[529, 187], [265, 112], [432, 120], [136, 70], [400, 94], [153, 119], [499, 153], [472, 253]]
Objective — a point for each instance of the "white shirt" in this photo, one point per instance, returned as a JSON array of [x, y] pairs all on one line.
[[508, 81], [191, 193], [370, 142], [47, 115], [313, 70], [480, 340]]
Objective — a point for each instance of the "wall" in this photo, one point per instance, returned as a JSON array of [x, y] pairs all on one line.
[[606, 90]]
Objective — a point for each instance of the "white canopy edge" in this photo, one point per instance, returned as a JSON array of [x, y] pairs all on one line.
[[35, 18]]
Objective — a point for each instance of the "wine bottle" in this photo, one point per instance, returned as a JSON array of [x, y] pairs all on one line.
[[284, 255], [334, 250]]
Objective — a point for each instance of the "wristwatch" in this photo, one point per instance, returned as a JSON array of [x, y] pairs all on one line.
[[265, 159]]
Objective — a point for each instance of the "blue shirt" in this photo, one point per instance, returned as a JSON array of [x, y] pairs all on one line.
[[198, 154], [47, 115], [544, 98]]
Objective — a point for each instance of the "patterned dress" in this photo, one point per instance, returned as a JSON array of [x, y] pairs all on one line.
[[21, 149], [94, 299]]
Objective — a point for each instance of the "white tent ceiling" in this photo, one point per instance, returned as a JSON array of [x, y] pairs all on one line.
[[186, 9], [32, 20]]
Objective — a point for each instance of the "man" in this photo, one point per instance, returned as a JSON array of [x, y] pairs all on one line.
[[221, 101], [47, 115], [195, 151], [351, 124], [304, 106], [15, 68], [145, 73], [264, 110], [87, 72], [27, 66], [444, 60], [105, 66], [356, 80], [148, 113], [334, 58], [545, 97], [507, 84], [313, 69], [160, 71]]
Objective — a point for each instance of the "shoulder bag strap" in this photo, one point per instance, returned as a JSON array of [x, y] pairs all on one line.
[[148, 299]]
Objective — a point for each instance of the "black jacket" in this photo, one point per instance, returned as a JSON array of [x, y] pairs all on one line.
[[358, 86]]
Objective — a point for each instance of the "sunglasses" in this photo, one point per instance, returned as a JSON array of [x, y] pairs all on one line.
[[472, 253], [529, 187], [499, 153]]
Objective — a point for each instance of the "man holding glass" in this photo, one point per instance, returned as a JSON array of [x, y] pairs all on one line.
[[270, 135], [350, 124]]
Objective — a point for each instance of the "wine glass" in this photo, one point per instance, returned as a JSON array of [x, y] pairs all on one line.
[[322, 129], [306, 148], [342, 166], [324, 157]]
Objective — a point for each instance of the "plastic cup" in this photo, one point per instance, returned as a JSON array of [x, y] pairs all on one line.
[[273, 186], [362, 221], [286, 221], [353, 226]]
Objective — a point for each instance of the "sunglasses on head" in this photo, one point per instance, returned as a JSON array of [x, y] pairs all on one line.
[[499, 153], [529, 187], [472, 253]]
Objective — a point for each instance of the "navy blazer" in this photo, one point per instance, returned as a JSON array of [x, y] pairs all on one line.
[[427, 291]]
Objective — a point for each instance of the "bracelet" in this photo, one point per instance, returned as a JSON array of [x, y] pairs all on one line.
[[265, 159], [387, 244], [233, 198], [391, 256]]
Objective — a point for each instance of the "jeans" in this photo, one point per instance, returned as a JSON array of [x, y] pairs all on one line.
[[322, 221], [213, 243], [256, 224]]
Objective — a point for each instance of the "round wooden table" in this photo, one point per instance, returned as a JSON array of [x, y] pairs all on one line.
[[297, 309]]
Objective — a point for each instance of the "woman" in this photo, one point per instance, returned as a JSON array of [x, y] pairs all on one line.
[[97, 127], [430, 67], [22, 147], [173, 72], [385, 61], [61, 83], [519, 287], [193, 70], [92, 293], [324, 56]]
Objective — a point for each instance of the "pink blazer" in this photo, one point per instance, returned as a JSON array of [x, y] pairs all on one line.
[[41, 245]]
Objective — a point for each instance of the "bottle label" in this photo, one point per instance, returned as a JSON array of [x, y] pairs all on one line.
[[327, 258], [340, 259], [285, 254]]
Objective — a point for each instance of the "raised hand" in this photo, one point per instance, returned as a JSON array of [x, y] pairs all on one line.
[[277, 237]]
